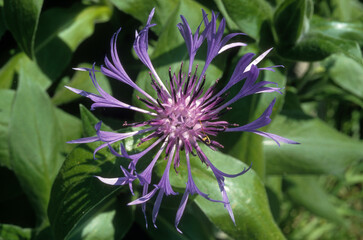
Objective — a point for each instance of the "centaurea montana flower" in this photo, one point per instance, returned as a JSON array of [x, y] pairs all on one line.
[[184, 115]]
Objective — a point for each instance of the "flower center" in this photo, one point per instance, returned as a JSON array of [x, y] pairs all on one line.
[[180, 119]]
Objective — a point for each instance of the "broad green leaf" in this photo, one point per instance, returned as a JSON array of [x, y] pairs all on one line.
[[347, 11], [112, 222], [35, 142], [12, 232], [6, 102], [21, 17], [248, 15], [290, 21], [62, 30], [77, 196], [307, 192], [194, 224], [58, 36], [89, 121], [343, 30], [230, 23], [246, 194], [323, 150], [80, 80], [21, 62], [315, 46], [346, 73], [7, 71], [140, 9], [71, 127]]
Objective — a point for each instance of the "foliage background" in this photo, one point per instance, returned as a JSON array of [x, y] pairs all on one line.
[[309, 191]]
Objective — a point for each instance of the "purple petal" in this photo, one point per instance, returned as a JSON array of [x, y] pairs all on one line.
[[181, 209], [144, 198], [115, 69], [141, 46], [84, 140], [275, 137], [260, 122], [157, 206]]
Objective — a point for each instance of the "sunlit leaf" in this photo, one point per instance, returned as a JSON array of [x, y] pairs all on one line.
[[344, 30], [62, 32], [246, 194], [307, 192], [248, 15], [346, 73], [315, 46], [6, 102], [323, 150], [77, 196], [35, 143], [12, 232], [140, 10]]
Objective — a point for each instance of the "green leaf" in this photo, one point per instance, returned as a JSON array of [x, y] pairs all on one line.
[[89, 121], [12, 232], [70, 126], [248, 15], [246, 194], [343, 30], [140, 9], [307, 192], [62, 30], [35, 143], [112, 222], [77, 196], [351, 80], [80, 80], [323, 150], [315, 46], [347, 11], [194, 224], [290, 21], [21, 17], [21, 62], [6, 102]]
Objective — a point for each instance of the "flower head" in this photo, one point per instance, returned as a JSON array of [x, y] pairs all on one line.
[[185, 114]]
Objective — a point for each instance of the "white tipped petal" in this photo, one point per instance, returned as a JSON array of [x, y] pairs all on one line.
[[109, 181], [258, 59], [231, 45]]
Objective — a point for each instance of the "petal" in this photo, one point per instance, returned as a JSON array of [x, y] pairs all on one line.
[[258, 59], [157, 206], [275, 137], [181, 209], [113, 181], [144, 198], [141, 46], [260, 122]]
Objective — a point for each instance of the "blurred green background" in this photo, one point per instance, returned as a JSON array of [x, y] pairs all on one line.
[[307, 191]]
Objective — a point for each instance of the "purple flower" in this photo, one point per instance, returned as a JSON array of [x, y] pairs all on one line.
[[185, 115]]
